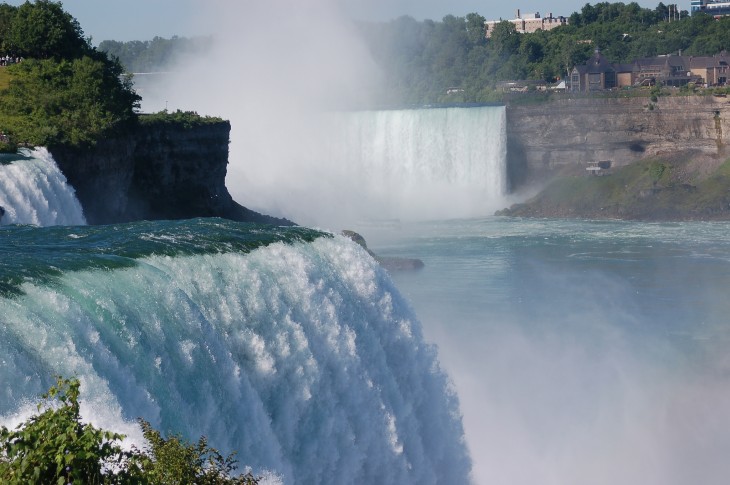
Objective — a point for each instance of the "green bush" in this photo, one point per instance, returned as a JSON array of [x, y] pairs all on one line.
[[55, 447], [182, 119]]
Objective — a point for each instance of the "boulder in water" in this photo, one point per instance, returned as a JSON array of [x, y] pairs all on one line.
[[389, 263]]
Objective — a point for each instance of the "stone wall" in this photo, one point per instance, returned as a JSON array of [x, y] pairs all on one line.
[[564, 135]]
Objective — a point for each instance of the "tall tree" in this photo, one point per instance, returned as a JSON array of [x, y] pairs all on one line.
[[43, 29]]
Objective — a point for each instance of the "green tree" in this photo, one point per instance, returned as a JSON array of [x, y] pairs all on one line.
[[72, 102], [7, 13], [504, 40], [475, 28], [43, 29]]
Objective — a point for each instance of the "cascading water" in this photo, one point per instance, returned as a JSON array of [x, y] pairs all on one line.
[[34, 191], [346, 167], [425, 163], [287, 345]]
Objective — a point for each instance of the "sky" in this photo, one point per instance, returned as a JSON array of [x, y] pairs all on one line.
[[126, 20]]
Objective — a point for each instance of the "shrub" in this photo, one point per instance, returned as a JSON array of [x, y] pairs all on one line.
[[55, 447]]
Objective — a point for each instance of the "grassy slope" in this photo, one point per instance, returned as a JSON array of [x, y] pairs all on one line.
[[653, 189], [4, 77]]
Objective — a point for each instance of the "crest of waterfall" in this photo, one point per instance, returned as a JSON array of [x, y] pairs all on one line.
[[34, 191]]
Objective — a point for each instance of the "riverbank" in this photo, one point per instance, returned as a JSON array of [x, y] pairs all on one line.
[[683, 186], [566, 134]]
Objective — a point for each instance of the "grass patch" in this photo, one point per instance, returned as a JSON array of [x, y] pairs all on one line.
[[4, 77]]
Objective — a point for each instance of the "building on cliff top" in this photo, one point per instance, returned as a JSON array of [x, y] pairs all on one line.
[[673, 70], [528, 23]]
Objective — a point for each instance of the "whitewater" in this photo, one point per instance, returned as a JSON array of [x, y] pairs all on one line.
[[34, 191], [580, 351], [289, 346]]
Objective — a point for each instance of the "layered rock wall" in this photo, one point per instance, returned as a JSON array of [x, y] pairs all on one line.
[[564, 135], [156, 171]]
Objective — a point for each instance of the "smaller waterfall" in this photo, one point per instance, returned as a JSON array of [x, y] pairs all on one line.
[[34, 191]]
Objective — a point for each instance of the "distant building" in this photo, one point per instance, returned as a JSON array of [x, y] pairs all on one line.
[[710, 7], [713, 70], [528, 23], [596, 75], [673, 70]]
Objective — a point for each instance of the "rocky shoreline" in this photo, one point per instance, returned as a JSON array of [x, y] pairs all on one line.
[[685, 186], [667, 158]]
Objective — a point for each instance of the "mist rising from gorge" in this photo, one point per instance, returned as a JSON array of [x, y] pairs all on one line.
[[274, 70]]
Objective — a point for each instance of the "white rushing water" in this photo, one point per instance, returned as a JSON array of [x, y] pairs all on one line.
[[346, 167], [34, 191], [422, 164], [302, 358]]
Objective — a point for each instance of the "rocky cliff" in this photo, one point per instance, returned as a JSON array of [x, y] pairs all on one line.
[[156, 171], [562, 136]]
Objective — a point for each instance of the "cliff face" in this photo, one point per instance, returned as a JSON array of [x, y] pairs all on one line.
[[564, 135], [158, 171]]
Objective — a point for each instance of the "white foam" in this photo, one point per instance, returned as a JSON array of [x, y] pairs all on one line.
[[294, 356], [34, 191]]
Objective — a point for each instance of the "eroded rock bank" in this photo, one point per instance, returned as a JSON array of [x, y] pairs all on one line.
[[156, 171], [562, 136], [668, 158]]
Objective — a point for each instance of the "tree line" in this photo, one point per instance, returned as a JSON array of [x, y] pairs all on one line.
[[421, 60], [157, 54]]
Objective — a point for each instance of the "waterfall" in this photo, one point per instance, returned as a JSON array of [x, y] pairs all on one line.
[[340, 168], [34, 191], [289, 346]]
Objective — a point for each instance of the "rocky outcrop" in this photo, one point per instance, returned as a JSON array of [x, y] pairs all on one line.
[[562, 136], [388, 262], [156, 171]]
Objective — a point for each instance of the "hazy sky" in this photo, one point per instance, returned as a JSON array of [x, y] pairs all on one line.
[[144, 19]]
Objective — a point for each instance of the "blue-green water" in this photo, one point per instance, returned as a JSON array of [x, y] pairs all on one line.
[[582, 352], [289, 346], [42, 255]]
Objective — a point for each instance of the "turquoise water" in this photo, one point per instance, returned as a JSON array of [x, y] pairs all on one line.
[[42, 255], [289, 346], [582, 352]]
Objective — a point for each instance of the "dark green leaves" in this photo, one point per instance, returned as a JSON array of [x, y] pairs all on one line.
[[56, 447]]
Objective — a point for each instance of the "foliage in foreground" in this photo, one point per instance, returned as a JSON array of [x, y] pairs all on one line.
[[55, 447]]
